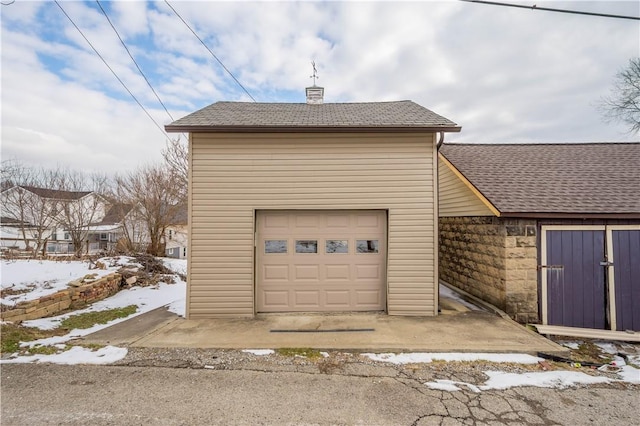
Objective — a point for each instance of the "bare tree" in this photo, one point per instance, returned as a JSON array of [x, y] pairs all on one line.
[[176, 157], [623, 104], [12, 173], [155, 194], [33, 206], [84, 204]]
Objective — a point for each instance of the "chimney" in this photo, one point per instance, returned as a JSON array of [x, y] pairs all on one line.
[[315, 95]]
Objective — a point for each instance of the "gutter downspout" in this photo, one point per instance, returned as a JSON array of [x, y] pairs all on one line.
[[440, 141]]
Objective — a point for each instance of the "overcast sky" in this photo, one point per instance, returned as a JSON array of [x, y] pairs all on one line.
[[506, 75]]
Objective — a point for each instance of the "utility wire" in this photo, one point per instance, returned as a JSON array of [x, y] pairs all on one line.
[[134, 61], [212, 54], [549, 9], [111, 69]]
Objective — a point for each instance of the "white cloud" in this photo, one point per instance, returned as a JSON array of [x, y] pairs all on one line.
[[504, 74]]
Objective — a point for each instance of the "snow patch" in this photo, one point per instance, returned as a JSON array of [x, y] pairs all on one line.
[[451, 386], [75, 355], [259, 352], [501, 380], [40, 278], [544, 379], [629, 374], [410, 358], [445, 291], [179, 266], [606, 347], [571, 345]]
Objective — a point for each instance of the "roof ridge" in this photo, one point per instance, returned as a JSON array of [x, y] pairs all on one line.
[[304, 103]]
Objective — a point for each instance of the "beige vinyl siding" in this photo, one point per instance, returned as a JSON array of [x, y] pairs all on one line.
[[234, 175], [456, 198]]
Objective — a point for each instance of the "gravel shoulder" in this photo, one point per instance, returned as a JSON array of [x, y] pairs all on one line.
[[337, 363]]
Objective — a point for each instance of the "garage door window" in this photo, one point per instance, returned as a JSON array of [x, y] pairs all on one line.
[[367, 246], [275, 246], [336, 246], [306, 246]]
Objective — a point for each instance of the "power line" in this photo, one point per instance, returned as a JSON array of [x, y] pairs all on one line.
[[111, 69], [212, 54], [134, 61], [549, 9]]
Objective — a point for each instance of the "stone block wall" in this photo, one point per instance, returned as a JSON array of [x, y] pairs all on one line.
[[494, 259], [75, 296], [521, 266]]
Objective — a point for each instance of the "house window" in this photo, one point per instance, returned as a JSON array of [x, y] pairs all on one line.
[[104, 236], [67, 236], [170, 234]]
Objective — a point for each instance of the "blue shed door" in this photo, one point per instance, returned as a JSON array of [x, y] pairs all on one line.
[[576, 291], [626, 270]]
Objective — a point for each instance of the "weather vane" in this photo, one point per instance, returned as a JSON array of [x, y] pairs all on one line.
[[315, 72]]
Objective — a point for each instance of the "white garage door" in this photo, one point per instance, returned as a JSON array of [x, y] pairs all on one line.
[[321, 261]]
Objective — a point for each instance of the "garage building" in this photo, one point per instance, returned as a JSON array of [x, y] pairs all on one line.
[[312, 207], [550, 233]]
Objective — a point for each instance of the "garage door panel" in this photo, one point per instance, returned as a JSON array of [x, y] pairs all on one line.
[[275, 298], [338, 272], [575, 278], [364, 221], [306, 272], [339, 221], [337, 298], [368, 297], [276, 272], [276, 221], [366, 272], [307, 299], [626, 260], [324, 261]]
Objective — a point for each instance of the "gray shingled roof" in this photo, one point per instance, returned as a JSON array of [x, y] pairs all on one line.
[[56, 193], [591, 178], [116, 214], [243, 116]]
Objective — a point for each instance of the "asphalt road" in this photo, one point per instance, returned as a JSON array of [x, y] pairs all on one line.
[[125, 395]]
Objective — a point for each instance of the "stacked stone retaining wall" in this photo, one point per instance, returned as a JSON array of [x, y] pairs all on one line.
[[494, 259], [77, 295]]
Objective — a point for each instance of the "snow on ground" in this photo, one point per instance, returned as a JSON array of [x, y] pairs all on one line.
[[502, 380], [145, 298], [450, 294], [179, 266], [42, 277], [259, 352], [173, 295], [419, 357], [76, 355]]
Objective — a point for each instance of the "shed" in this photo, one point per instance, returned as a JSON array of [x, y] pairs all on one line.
[[550, 233], [308, 207]]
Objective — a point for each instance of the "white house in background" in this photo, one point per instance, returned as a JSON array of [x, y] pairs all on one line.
[[38, 212], [11, 237], [176, 235], [104, 235], [45, 219]]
